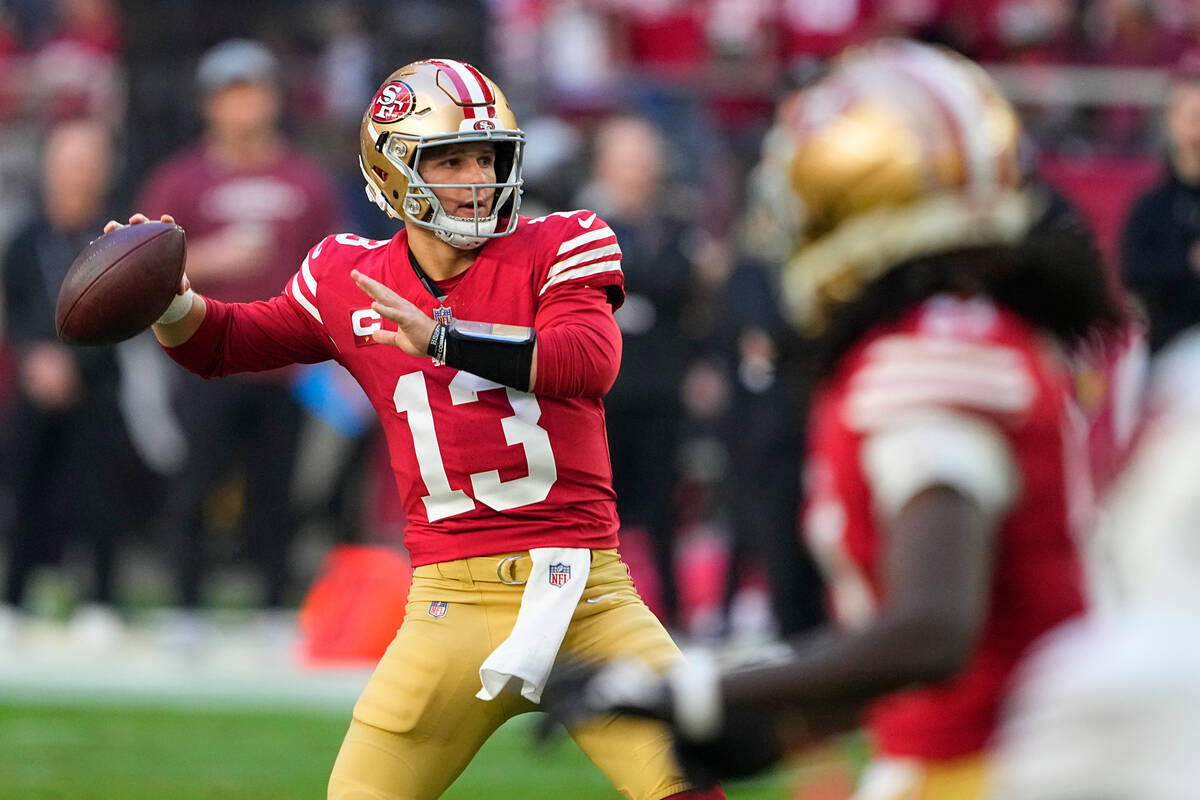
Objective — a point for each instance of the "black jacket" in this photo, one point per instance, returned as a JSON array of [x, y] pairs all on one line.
[[1159, 234], [35, 263]]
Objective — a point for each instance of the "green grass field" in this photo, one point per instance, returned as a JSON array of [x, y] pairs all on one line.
[[122, 752]]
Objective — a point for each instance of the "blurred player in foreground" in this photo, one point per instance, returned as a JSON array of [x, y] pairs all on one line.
[[946, 480], [1108, 706], [485, 342]]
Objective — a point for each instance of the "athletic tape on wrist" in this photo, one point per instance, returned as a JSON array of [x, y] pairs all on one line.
[[180, 305]]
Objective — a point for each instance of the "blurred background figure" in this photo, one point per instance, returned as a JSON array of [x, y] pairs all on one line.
[[64, 438], [250, 202], [628, 188], [77, 69], [1108, 705], [1160, 248]]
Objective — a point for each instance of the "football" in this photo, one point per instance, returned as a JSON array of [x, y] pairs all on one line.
[[120, 284]]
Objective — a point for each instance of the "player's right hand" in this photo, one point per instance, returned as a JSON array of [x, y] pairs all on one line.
[[137, 219]]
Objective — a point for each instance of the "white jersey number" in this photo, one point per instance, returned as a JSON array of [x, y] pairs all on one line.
[[412, 398]]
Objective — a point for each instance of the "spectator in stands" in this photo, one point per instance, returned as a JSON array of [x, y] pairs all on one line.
[[10, 48], [63, 431], [764, 434], [643, 407], [1160, 247], [771, 374], [77, 70], [250, 203]]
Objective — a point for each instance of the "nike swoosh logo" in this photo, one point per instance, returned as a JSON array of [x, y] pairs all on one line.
[[598, 598], [587, 222]]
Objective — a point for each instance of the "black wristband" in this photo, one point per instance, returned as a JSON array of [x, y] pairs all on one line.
[[479, 348]]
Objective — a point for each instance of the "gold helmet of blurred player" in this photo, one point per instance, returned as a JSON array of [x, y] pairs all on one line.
[[901, 151], [428, 104]]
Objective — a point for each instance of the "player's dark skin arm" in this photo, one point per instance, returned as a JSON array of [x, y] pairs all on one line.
[[937, 568]]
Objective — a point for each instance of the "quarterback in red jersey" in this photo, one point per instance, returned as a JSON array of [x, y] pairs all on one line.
[[485, 342], [947, 482]]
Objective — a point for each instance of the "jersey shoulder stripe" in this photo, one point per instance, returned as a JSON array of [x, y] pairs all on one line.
[[586, 246], [609, 252], [582, 272], [307, 303], [904, 373], [603, 232], [303, 286]]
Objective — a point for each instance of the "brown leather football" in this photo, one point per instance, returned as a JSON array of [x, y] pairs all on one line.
[[120, 284]]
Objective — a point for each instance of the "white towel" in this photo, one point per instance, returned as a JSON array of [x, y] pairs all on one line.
[[556, 582]]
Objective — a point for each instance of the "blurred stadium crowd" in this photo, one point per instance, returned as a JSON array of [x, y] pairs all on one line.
[[652, 113]]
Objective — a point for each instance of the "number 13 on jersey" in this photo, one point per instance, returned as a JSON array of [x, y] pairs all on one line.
[[412, 398]]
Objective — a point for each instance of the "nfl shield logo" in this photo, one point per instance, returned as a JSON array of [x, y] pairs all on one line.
[[443, 314], [560, 574], [437, 608]]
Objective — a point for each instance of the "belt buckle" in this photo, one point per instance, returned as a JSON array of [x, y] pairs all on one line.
[[512, 571]]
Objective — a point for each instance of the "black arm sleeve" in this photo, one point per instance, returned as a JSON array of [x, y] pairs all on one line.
[[478, 348]]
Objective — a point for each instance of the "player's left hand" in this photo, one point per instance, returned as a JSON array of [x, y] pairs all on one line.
[[415, 327], [711, 742]]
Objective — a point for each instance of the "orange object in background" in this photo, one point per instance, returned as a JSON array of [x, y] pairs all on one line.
[[826, 772], [355, 605]]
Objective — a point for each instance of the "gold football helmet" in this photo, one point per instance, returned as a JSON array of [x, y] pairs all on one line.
[[902, 150], [428, 104]]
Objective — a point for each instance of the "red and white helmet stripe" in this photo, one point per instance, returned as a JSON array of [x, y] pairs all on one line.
[[962, 106], [474, 94]]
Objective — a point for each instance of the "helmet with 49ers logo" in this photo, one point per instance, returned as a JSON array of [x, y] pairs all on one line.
[[901, 151], [429, 104]]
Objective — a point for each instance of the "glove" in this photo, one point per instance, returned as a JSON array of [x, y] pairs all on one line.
[[577, 692], [711, 741]]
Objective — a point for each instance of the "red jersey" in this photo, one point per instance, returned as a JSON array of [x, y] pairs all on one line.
[[482, 468], [984, 367]]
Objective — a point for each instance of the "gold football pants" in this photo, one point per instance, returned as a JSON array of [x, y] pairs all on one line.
[[418, 722]]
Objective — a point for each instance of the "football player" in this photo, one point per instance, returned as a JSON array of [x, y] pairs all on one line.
[[485, 341], [1106, 706], [947, 481]]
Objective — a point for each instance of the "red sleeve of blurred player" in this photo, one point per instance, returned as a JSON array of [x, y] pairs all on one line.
[[251, 337]]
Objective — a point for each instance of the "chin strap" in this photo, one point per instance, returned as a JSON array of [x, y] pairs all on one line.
[[459, 232], [460, 241]]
